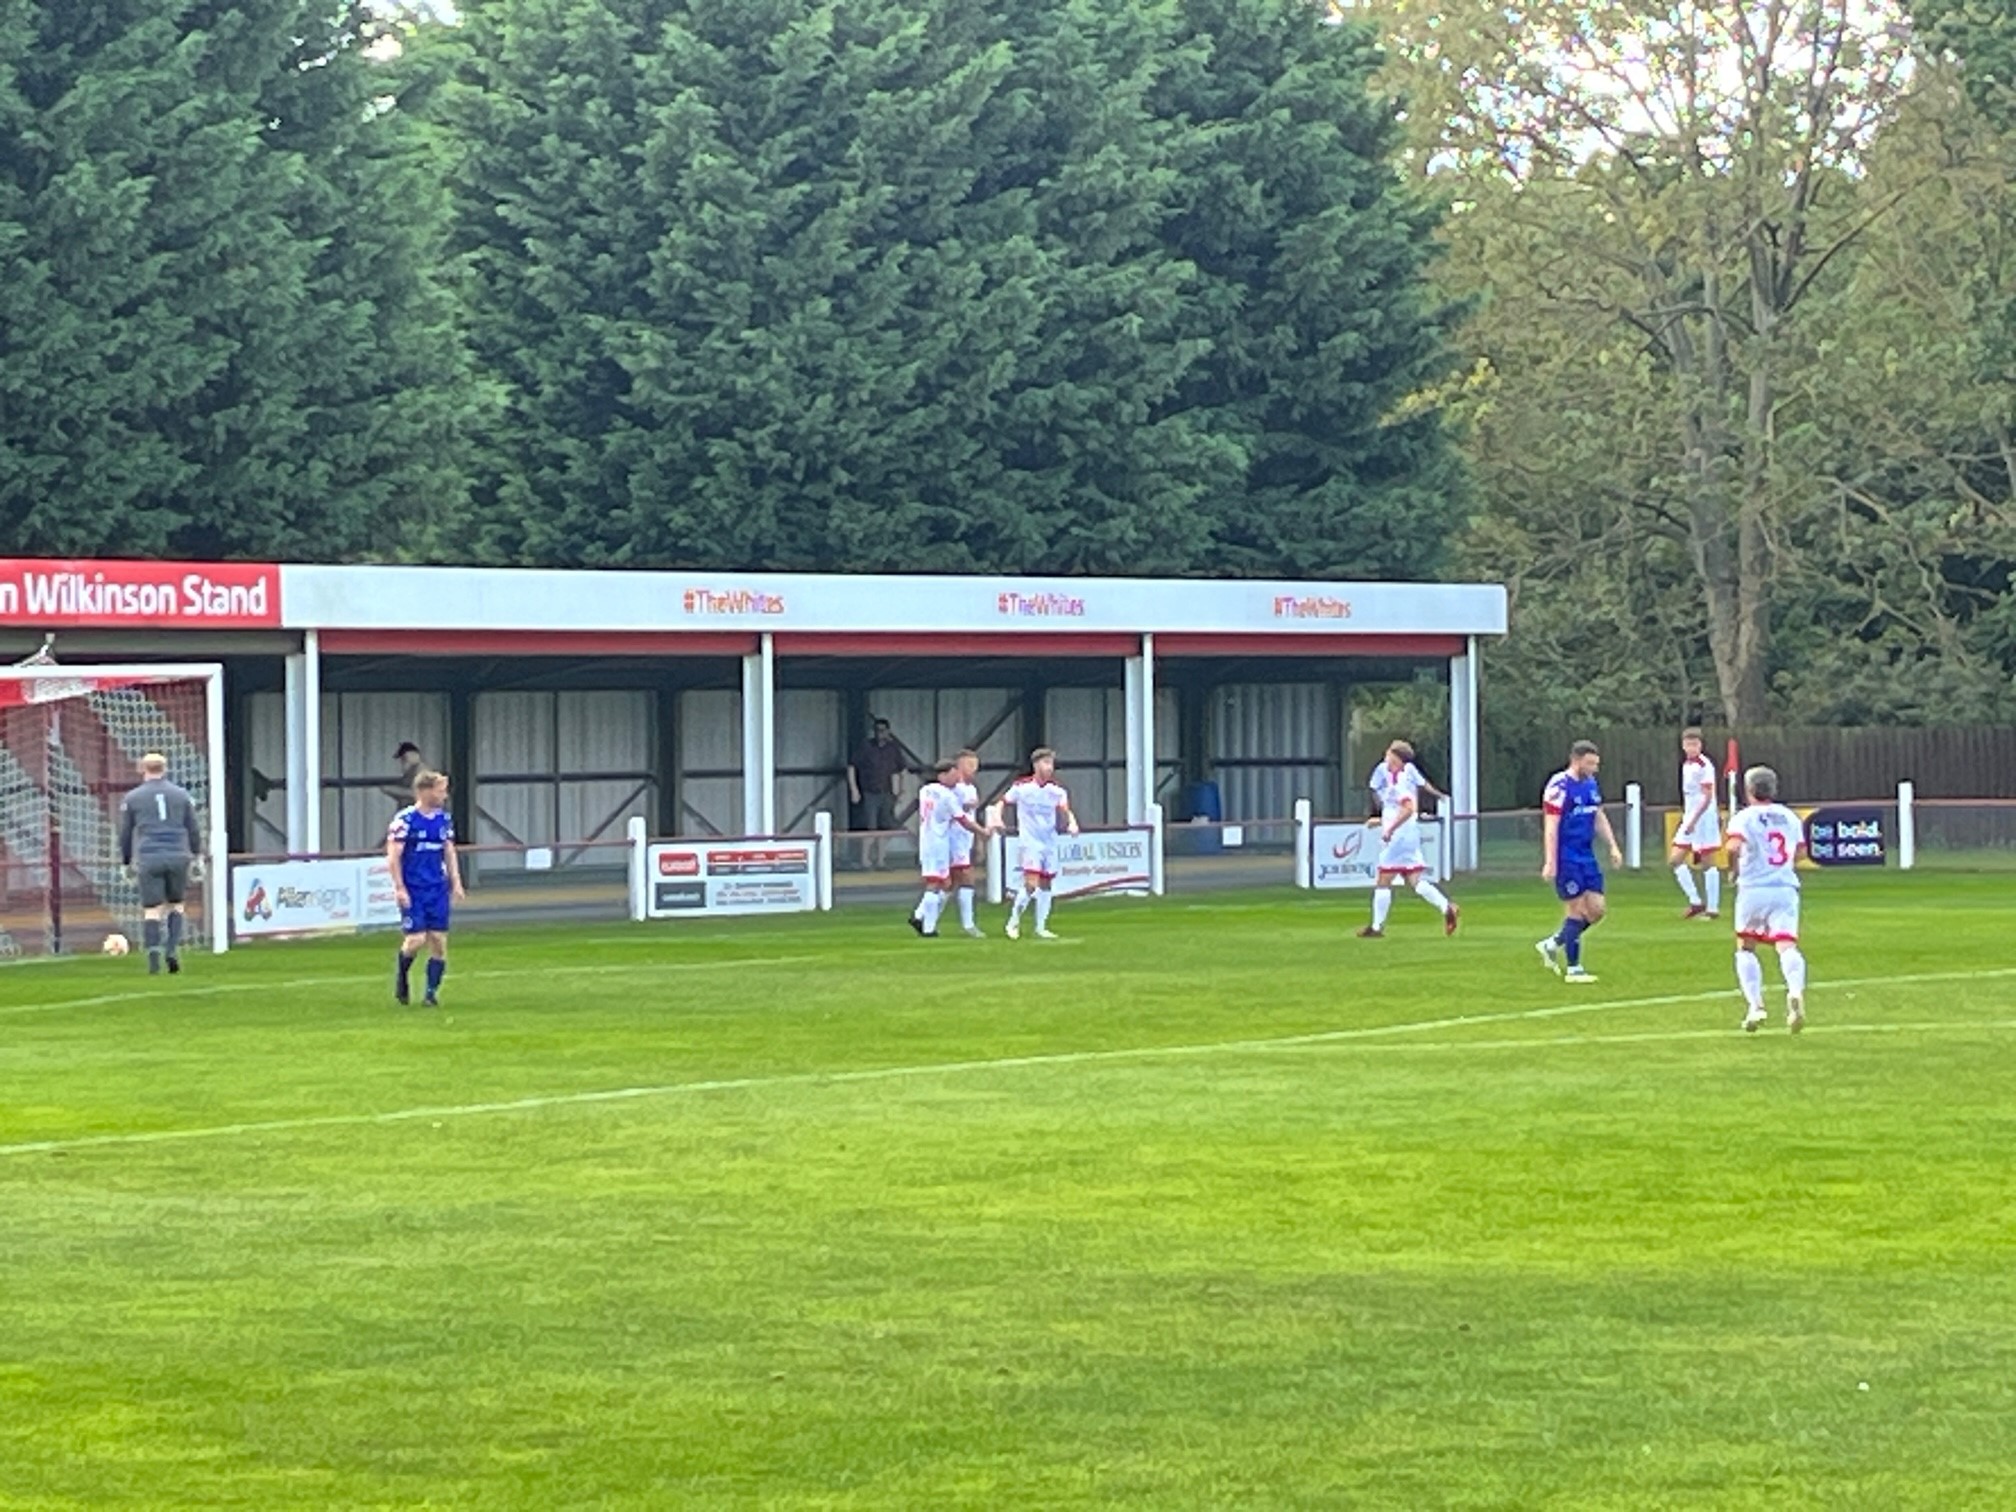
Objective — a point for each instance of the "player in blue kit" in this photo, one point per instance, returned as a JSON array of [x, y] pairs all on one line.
[[1573, 807], [426, 879]]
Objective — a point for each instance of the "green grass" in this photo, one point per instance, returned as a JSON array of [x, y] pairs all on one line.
[[907, 1224]]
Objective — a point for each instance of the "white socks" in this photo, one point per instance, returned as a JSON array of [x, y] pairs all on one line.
[[1021, 903], [1684, 875], [966, 906], [918, 911], [1714, 890], [1382, 905], [934, 905], [1793, 964], [1043, 909], [1432, 895], [1750, 976]]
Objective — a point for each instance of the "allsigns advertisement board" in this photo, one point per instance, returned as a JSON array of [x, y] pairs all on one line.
[[312, 897], [1346, 855], [692, 879]]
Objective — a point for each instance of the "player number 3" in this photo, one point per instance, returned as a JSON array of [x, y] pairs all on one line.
[[1775, 848]]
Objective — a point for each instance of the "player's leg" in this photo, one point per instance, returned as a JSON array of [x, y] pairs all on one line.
[[962, 889], [934, 905], [437, 965], [1044, 898], [1682, 861], [1784, 926], [411, 942], [1024, 895], [176, 881], [1436, 899], [1585, 913], [1750, 977], [153, 883], [1792, 962], [1711, 876], [1382, 905]]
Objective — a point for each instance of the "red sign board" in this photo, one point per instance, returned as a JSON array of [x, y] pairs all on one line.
[[139, 595]]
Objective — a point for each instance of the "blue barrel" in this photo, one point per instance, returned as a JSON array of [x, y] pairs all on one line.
[[1202, 800]]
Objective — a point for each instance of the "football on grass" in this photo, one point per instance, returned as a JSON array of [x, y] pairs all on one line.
[[117, 944]]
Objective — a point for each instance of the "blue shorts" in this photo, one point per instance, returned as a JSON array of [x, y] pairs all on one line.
[[425, 912], [1574, 878]]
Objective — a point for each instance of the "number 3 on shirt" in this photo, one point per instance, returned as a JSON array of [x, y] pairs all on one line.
[[1775, 849]]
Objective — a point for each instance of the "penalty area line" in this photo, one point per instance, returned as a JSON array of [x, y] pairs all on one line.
[[1011, 1063]]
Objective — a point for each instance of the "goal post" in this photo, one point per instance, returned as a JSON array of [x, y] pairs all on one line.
[[71, 740]]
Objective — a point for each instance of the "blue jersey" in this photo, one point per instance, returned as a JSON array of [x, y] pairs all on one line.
[[423, 864], [1577, 800]]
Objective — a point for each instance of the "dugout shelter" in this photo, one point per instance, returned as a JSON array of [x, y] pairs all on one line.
[[564, 703]]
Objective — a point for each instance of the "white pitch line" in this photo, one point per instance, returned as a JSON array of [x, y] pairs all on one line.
[[955, 1068]]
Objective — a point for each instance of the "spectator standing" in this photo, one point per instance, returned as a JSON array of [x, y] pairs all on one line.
[[874, 783]]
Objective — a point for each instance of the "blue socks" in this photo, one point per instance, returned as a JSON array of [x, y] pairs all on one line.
[[405, 970], [1570, 937], [436, 969], [174, 935]]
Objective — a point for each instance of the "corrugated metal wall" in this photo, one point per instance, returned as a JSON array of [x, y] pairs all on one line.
[[935, 722], [710, 761], [561, 766], [1272, 743], [1088, 729], [811, 757], [360, 777]]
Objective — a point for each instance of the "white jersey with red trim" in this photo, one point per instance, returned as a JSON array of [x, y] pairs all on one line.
[[1039, 807], [1400, 849], [1697, 786], [962, 838], [937, 820], [1771, 835]]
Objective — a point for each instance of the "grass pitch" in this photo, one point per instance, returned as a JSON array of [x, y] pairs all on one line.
[[1210, 1206]]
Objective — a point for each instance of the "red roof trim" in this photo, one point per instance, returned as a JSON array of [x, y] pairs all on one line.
[[1312, 644], [535, 643], [1013, 643]]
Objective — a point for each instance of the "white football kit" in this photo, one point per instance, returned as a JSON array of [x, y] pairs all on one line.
[[1767, 879], [962, 838], [1039, 807], [938, 809], [1401, 850], [1697, 784]]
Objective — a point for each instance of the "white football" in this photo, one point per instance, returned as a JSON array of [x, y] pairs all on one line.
[[117, 944]]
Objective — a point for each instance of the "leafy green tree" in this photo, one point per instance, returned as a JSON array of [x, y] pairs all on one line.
[[1689, 177], [1069, 287], [220, 331]]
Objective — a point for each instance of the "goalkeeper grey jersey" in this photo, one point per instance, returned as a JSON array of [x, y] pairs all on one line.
[[157, 822]]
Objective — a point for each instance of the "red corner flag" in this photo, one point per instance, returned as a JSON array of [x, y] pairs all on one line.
[[1732, 767]]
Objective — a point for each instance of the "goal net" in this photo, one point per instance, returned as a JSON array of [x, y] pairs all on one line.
[[71, 739]]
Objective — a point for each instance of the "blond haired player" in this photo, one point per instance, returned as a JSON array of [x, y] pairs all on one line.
[[940, 815], [1699, 836], [1042, 808], [966, 768], [1397, 784], [1766, 839]]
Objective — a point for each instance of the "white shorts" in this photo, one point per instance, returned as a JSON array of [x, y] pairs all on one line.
[[1706, 838], [934, 859], [1768, 915], [1403, 852], [962, 847], [1037, 856]]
